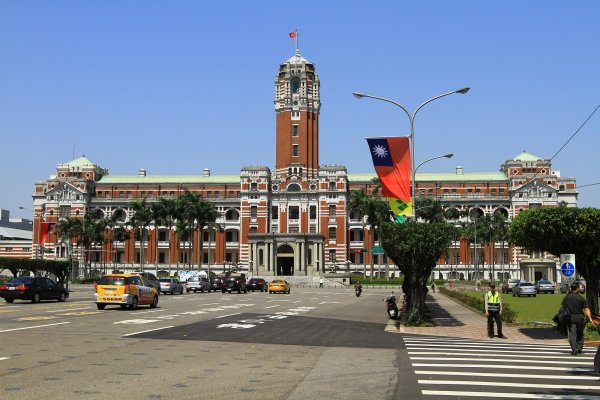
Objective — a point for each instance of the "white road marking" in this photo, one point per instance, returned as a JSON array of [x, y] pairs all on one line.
[[500, 367], [149, 330], [148, 312], [497, 375], [33, 327], [277, 305], [511, 356], [561, 362], [510, 384], [136, 321], [236, 326], [69, 309], [490, 395], [228, 315]]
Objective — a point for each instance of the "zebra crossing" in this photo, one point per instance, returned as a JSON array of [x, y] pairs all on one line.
[[454, 368]]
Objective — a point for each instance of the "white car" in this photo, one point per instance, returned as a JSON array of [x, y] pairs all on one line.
[[198, 283]]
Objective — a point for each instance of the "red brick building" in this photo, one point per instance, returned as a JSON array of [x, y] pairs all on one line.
[[292, 220]]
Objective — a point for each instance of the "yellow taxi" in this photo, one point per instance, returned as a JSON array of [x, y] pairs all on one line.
[[279, 285], [125, 290]]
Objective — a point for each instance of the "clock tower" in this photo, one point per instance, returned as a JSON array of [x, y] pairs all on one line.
[[297, 105]]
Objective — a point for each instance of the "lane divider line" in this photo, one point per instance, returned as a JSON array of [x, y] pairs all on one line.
[[149, 330], [228, 315], [33, 327]]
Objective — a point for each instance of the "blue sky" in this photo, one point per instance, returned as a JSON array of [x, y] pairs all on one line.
[[178, 86]]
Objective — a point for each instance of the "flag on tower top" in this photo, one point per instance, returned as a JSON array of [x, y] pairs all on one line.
[[293, 34]]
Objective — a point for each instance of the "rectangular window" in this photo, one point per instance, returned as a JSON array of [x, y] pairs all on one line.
[[295, 150], [313, 212], [253, 229], [274, 212], [294, 212], [65, 211], [253, 212], [332, 211], [294, 229], [332, 255], [295, 115], [501, 190], [332, 233], [295, 130], [229, 237]]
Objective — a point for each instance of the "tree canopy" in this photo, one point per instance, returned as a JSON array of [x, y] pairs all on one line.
[[564, 230], [415, 248]]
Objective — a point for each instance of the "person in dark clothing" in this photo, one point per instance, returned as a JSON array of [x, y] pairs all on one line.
[[493, 311], [576, 306]]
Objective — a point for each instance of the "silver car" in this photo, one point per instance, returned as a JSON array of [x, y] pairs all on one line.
[[170, 285], [524, 288], [198, 283], [545, 286]]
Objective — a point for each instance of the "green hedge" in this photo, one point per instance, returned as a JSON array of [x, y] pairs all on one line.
[[508, 315]]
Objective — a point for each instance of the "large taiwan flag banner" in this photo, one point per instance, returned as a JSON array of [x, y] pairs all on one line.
[[391, 159]]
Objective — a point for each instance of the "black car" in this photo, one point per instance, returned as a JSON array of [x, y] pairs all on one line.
[[257, 284], [34, 288], [216, 283], [232, 283]]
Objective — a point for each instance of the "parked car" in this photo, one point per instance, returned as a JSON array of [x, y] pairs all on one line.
[[170, 285], [545, 286], [565, 287], [198, 283], [216, 284], [125, 290], [507, 286], [279, 285], [34, 288], [151, 278], [257, 284], [234, 283], [524, 288]]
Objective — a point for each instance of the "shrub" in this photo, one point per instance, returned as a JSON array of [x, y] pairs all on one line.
[[477, 303]]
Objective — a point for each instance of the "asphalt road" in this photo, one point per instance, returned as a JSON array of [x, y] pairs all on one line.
[[310, 344]]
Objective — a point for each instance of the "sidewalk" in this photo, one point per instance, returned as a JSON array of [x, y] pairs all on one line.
[[453, 319]]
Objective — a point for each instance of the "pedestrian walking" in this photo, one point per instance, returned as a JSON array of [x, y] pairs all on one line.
[[321, 281], [433, 287], [493, 311], [575, 306]]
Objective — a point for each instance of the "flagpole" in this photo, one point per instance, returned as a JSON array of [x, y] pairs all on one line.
[[297, 50]]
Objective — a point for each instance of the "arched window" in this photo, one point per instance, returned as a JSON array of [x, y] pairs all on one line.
[[232, 215], [294, 187], [296, 86]]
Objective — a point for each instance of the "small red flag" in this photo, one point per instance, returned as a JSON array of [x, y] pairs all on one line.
[[292, 35]]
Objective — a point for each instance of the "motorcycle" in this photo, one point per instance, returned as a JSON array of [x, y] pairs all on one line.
[[392, 307], [358, 291]]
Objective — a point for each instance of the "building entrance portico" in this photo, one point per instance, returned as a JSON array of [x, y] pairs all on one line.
[[285, 260], [286, 254]]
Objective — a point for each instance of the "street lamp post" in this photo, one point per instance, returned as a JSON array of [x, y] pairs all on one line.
[[411, 118], [449, 155]]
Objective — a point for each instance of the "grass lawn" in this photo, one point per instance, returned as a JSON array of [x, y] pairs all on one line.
[[540, 308]]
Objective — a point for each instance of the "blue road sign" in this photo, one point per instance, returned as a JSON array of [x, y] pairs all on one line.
[[567, 269]]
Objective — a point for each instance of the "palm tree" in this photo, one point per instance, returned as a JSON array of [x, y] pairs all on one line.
[[198, 213], [163, 214], [68, 229], [371, 209], [141, 219]]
